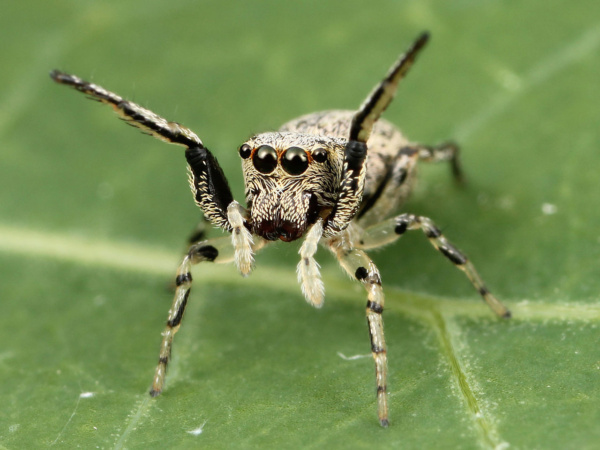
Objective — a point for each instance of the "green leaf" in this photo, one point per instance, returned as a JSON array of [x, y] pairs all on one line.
[[93, 220]]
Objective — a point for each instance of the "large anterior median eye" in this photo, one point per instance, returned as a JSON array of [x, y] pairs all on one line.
[[265, 159], [294, 161]]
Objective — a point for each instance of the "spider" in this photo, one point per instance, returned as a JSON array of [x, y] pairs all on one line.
[[333, 177]]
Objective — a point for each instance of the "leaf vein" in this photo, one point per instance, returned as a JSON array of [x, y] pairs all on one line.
[[482, 419]]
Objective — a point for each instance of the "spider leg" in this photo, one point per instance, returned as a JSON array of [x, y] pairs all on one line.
[[397, 182], [309, 276], [241, 238], [207, 180], [215, 250], [447, 151], [391, 229], [218, 250], [353, 173], [392, 191], [359, 266], [199, 232], [133, 114], [383, 94]]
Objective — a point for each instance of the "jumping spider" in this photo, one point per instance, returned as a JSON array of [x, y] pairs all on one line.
[[311, 178]]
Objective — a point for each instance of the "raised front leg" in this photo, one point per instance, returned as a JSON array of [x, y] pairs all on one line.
[[132, 113], [353, 173], [391, 229], [207, 180]]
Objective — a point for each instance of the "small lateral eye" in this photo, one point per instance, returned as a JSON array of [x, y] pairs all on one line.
[[265, 159], [320, 155], [294, 161], [245, 151]]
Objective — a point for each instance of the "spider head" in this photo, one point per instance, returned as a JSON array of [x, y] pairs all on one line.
[[290, 181]]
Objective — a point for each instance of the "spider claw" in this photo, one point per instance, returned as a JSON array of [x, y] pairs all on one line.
[[154, 393]]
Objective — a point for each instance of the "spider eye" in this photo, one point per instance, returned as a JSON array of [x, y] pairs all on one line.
[[265, 159], [320, 155], [245, 151], [294, 161]]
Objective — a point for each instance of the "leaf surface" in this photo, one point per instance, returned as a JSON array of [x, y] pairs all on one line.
[[93, 220]]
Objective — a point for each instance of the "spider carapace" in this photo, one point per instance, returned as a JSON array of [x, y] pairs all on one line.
[[334, 178]]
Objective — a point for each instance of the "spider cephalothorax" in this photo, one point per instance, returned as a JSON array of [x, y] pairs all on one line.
[[335, 178], [290, 181]]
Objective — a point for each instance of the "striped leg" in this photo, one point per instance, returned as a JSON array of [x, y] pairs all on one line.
[[391, 229], [350, 190], [219, 250], [359, 265], [142, 118]]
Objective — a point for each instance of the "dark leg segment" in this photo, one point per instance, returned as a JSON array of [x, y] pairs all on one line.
[[392, 229], [209, 186], [207, 180], [199, 232]]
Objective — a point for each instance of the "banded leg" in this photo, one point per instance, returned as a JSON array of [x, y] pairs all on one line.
[[148, 121], [207, 180], [359, 265], [218, 250], [448, 151], [391, 229], [351, 188], [383, 94]]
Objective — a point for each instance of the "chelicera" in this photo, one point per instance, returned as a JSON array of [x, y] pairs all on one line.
[[334, 178]]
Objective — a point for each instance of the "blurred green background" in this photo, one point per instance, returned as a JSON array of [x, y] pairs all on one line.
[[94, 217]]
